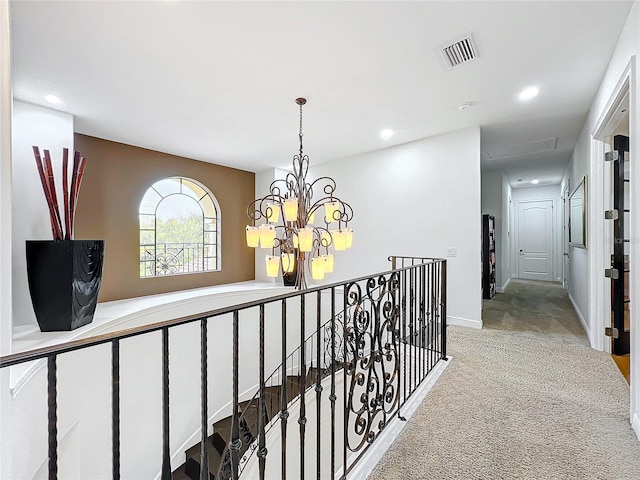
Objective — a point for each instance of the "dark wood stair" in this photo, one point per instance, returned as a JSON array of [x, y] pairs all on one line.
[[217, 442]]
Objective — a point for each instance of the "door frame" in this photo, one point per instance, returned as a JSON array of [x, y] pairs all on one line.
[[628, 84], [601, 193], [516, 237], [566, 277]]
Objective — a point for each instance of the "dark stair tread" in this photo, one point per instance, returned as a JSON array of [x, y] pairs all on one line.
[[180, 474], [213, 457]]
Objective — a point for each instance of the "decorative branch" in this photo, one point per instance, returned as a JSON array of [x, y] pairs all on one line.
[[69, 193], [65, 192]]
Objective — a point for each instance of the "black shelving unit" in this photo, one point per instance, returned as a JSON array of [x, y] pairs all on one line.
[[488, 256]]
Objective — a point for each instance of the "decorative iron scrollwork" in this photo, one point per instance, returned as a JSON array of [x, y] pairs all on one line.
[[372, 358]]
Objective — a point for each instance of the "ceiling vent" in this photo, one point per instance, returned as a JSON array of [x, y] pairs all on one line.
[[461, 51]]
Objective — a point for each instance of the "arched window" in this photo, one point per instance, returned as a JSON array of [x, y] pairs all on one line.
[[179, 229]]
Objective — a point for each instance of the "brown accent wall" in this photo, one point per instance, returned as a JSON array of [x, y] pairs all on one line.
[[115, 179]]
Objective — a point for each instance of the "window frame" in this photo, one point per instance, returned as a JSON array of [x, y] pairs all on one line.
[[195, 196]]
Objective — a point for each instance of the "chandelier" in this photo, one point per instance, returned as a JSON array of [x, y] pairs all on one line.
[[301, 231]]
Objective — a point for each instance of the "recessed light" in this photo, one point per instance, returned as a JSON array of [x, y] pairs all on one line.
[[386, 134], [464, 106], [535, 181], [528, 93], [53, 99]]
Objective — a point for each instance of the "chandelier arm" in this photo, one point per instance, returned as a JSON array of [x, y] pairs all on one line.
[[329, 188], [322, 242]]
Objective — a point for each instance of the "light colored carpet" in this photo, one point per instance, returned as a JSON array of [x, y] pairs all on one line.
[[515, 405], [535, 308]]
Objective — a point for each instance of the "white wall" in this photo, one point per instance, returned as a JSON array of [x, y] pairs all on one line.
[[587, 265], [420, 198], [544, 192], [5, 236], [492, 204], [506, 268], [47, 129]]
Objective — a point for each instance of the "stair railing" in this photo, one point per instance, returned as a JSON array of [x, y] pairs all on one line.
[[393, 330]]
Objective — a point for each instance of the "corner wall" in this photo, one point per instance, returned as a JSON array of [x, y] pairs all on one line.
[[421, 198], [496, 193], [47, 129], [114, 182]]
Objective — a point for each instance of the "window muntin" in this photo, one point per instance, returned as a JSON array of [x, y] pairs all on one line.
[[179, 229]]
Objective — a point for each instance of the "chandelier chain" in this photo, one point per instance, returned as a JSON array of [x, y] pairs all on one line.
[[300, 134]]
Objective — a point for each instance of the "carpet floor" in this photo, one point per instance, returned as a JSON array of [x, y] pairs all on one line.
[[519, 403]]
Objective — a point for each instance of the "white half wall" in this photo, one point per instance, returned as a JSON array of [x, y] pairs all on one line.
[[6, 425], [47, 129], [421, 198]]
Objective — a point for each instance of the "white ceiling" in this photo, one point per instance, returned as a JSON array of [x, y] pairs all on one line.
[[216, 81]]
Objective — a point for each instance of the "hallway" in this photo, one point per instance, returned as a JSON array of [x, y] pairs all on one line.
[[525, 397], [535, 308]]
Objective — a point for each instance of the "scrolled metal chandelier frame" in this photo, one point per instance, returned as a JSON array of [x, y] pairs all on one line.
[[284, 220]]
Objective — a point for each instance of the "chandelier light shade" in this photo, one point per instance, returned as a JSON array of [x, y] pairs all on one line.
[[273, 265], [339, 240], [284, 220], [253, 236], [330, 209], [288, 262], [317, 268], [328, 262], [267, 235], [291, 209], [348, 235], [273, 213], [305, 237]]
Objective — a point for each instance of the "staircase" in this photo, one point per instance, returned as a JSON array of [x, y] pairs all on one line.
[[217, 442]]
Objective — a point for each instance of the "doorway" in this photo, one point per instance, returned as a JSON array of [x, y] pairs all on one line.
[[535, 240], [614, 136]]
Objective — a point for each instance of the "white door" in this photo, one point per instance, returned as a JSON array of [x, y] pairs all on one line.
[[535, 240]]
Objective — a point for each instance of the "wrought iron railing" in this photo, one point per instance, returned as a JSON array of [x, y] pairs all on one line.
[[379, 336], [175, 258]]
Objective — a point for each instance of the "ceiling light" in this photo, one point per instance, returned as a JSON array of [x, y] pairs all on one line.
[[528, 93], [464, 106], [386, 134], [53, 99], [535, 181]]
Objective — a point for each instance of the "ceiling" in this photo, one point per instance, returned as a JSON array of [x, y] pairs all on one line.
[[216, 81]]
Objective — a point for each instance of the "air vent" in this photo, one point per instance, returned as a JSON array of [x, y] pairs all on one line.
[[461, 51]]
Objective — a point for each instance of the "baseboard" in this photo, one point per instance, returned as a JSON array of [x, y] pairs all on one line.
[[464, 322], [503, 287], [635, 424], [586, 328], [368, 462]]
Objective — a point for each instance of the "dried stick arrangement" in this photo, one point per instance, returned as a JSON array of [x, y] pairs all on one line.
[[70, 195]]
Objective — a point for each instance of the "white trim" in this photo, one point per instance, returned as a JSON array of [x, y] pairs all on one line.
[[370, 460], [584, 323], [635, 424], [464, 322], [504, 287], [599, 293]]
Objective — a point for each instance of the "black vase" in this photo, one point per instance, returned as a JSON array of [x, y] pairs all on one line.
[[64, 281]]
